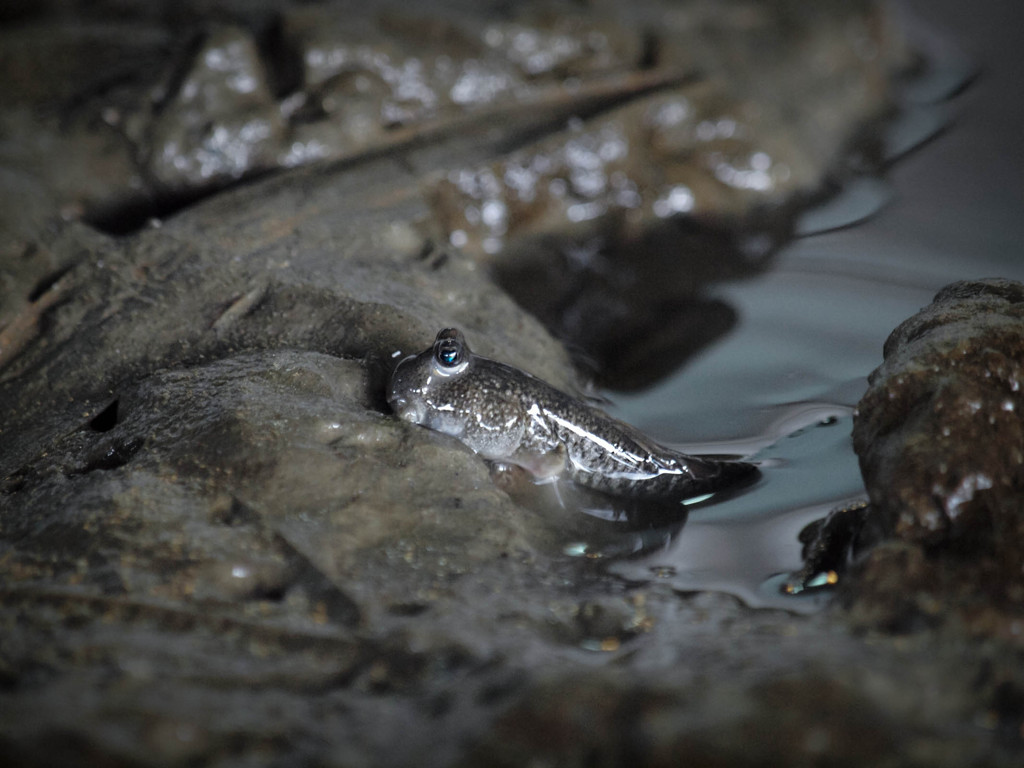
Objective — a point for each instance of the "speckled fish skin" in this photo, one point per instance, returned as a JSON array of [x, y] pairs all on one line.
[[507, 415]]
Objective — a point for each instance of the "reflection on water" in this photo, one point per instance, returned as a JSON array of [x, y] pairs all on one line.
[[738, 545], [741, 540]]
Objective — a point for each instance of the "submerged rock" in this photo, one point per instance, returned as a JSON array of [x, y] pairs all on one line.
[[940, 438]]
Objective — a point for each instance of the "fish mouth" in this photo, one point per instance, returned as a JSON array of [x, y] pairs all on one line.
[[405, 409]]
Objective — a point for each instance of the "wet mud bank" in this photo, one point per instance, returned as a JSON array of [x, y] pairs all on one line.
[[219, 233]]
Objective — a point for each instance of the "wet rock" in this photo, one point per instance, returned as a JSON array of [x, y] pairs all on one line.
[[939, 432], [609, 134], [703, 147], [830, 543], [136, 113], [941, 446], [220, 122], [201, 481], [453, 59]]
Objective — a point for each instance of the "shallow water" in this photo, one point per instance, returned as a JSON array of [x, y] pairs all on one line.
[[781, 386]]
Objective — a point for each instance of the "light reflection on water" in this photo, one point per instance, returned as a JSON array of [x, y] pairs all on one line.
[[732, 542]]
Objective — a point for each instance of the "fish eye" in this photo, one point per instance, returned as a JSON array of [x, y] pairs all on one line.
[[450, 348], [449, 353]]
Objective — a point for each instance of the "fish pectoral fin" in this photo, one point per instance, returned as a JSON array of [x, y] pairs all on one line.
[[543, 466]]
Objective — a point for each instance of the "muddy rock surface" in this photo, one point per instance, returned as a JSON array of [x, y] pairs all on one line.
[[941, 445], [220, 230], [617, 131]]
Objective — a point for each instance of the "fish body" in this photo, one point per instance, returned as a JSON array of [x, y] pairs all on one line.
[[508, 415]]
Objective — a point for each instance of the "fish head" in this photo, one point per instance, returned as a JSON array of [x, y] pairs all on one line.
[[426, 387]]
